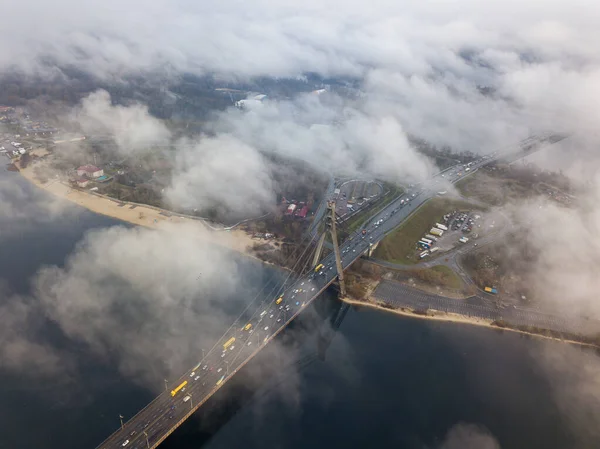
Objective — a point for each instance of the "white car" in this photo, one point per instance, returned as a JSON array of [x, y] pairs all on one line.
[[232, 347], [222, 355], [187, 398], [312, 289], [249, 343], [302, 283], [271, 316], [197, 377], [266, 328], [219, 370], [192, 375], [125, 443]]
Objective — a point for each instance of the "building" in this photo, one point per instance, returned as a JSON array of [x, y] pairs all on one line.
[[302, 212], [82, 182], [290, 210], [91, 171]]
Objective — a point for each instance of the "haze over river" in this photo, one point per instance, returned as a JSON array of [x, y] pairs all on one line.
[[386, 381]]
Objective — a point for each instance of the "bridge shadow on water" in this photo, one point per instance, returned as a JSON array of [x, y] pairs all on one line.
[[304, 341]]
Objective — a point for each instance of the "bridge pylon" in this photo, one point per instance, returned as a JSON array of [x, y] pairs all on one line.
[[336, 247]]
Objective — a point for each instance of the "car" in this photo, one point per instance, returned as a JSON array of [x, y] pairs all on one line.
[[302, 283], [312, 289], [219, 370], [192, 375], [132, 433], [280, 307], [125, 443], [222, 355], [271, 316], [249, 343], [266, 328], [187, 398], [183, 389], [353, 250], [279, 320], [146, 425], [197, 377], [232, 347], [297, 303]]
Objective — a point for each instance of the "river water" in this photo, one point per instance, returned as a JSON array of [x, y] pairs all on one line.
[[383, 381]]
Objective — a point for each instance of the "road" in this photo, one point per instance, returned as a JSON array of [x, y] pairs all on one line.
[[156, 421], [399, 295]]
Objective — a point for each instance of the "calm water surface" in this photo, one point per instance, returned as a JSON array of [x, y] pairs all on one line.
[[385, 381]]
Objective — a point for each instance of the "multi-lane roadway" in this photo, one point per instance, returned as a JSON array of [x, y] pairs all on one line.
[[248, 335]]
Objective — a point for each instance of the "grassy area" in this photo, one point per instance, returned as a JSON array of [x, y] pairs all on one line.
[[399, 246], [439, 275]]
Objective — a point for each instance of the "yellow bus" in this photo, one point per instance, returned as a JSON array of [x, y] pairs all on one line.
[[176, 390], [279, 300], [228, 343], [247, 327], [319, 267], [220, 380]]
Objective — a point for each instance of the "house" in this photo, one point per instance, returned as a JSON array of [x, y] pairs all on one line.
[[90, 171], [82, 182]]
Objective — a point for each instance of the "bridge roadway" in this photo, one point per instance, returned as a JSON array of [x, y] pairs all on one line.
[[155, 422]]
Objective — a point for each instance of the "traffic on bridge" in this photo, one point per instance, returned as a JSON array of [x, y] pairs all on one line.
[[250, 333]]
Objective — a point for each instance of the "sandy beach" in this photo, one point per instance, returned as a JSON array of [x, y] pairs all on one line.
[[149, 217]]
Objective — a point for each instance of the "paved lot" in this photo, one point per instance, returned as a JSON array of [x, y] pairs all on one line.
[[400, 295]]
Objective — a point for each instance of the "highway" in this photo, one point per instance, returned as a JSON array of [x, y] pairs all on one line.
[[245, 338]]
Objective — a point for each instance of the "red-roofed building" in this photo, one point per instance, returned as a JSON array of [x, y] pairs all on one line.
[[302, 212], [91, 171], [82, 182]]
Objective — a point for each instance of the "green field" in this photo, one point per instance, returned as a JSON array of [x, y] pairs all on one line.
[[399, 246], [439, 275]]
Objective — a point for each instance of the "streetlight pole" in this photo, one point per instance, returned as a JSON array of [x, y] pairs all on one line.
[[147, 442], [121, 418]]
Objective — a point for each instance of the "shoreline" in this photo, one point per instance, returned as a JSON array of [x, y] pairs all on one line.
[[456, 318], [141, 215]]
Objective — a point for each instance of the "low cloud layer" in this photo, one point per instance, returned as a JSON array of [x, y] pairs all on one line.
[[469, 436], [149, 300]]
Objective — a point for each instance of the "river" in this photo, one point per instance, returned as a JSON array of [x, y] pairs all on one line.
[[385, 381]]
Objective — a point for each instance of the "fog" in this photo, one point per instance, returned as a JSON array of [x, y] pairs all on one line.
[[473, 75]]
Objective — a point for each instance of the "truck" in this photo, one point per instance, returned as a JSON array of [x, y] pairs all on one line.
[[491, 290], [431, 237], [228, 343], [423, 254], [176, 390], [441, 226], [436, 231], [433, 250], [463, 240], [424, 244], [423, 239], [318, 267]]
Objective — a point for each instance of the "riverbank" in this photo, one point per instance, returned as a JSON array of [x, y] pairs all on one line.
[[146, 216], [456, 318]]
